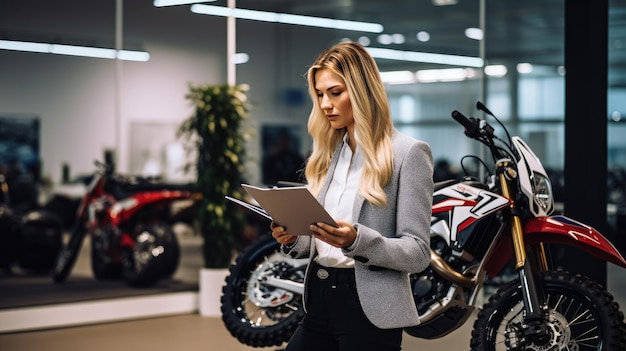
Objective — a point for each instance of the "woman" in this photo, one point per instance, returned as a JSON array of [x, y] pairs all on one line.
[[377, 184]]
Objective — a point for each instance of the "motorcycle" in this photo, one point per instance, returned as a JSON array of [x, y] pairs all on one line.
[[129, 222], [29, 236], [477, 229]]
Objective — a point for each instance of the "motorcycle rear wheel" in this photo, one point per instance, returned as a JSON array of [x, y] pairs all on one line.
[[103, 266], [152, 256], [252, 319], [583, 316]]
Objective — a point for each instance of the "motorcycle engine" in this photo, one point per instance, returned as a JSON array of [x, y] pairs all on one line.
[[428, 286]]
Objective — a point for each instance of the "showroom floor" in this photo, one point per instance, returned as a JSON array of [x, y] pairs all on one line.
[[187, 331]]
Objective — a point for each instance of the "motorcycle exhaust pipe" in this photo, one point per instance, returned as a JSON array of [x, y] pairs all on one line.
[[443, 269]]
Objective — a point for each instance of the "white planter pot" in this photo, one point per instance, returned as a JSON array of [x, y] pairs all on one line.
[[211, 282]]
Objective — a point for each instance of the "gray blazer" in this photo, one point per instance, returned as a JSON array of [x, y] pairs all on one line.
[[392, 241]]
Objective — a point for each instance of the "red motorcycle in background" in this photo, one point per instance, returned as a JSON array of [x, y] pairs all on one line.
[[129, 222]]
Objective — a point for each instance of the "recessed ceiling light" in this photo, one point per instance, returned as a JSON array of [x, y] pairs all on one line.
[[423, 36], [524, 68], [616, 116], [496, 70], [441, 75], [398, 38], [474, 33], [444, 2], [365, 41], [398, 77], [240, 58], [385, 39]]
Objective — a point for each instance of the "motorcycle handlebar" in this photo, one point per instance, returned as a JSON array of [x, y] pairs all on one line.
[[470, 124]]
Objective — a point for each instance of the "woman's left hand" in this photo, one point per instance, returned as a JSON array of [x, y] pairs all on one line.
[[342, 236]]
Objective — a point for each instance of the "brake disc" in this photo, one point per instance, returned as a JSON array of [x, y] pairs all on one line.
[[263, 295]]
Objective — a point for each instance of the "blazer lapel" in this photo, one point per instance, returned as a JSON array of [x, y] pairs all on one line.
[[356, 210]]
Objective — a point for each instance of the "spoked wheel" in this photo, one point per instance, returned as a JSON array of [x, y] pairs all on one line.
[[257, 313], [150, 258], [67, 255], [582, 316]]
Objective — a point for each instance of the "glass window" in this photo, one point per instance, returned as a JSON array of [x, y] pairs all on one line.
[[541, 97], [498, 97]]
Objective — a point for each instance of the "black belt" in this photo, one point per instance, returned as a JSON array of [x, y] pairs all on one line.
[[334, 276]]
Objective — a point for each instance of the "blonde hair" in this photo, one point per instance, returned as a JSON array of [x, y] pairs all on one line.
[[372, 120]]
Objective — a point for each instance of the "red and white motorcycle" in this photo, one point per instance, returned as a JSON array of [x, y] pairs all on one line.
[[129, 222], [477, 229]]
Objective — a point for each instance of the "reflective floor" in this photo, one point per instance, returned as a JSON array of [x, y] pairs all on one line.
[[191, 331]]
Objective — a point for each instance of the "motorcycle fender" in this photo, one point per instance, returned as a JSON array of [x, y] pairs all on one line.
[[567, 231], [556, 230]]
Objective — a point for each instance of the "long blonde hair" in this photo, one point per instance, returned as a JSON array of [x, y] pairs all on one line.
[[372, 120]]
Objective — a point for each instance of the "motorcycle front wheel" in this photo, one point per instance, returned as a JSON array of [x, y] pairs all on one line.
[[69, 253], [257, 314], [582, 316]]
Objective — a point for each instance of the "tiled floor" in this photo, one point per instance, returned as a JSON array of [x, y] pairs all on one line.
[[191, 331]]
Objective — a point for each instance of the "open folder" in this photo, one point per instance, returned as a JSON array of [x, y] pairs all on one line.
[[294, 208]]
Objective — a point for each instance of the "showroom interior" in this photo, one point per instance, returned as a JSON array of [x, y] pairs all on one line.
[[554, 72]]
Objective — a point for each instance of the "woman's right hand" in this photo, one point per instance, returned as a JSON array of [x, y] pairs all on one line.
[[279, 233]]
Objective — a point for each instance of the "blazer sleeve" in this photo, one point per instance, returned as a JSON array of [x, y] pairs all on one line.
[[397, 236], [301, 248]]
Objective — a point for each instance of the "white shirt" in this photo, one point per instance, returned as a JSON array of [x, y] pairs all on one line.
[[339, 202]]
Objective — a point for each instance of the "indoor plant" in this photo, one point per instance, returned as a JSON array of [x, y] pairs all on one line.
[[216, 127]]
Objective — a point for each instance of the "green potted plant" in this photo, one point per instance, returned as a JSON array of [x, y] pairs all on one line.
[[216, 129]]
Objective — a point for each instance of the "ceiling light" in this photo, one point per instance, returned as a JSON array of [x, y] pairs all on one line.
[[442, 75], [423, 36], [365, 41], [384, 39], [474, 33], [398, 38], [73, 50], [287, 18], [240, 57], [524, 68], [412, 56], [496, 70], [163, 3], [444, 2], [397, 77]]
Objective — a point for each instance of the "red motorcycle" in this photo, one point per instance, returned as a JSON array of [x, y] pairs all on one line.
[[129, 223]]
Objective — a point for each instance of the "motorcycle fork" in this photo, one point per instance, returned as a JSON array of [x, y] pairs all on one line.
[[526, 268]]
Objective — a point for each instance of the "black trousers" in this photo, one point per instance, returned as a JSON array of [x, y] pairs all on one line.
[[335, 320]]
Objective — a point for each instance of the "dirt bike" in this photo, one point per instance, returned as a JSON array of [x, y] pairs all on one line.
[[129, 222], [30, 236], [477, 229]]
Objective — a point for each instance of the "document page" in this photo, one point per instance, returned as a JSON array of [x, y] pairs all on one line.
[[294, 208], [251, 207]]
